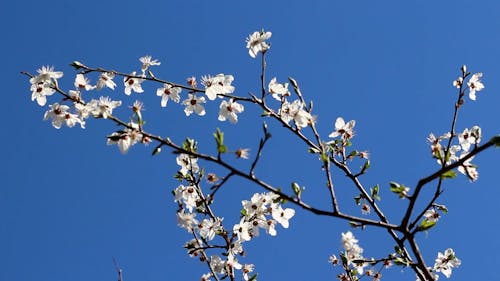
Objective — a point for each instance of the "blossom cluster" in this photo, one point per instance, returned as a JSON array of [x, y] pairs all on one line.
[[468, 138], [262, 211]]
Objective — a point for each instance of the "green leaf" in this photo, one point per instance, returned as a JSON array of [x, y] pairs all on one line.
[[324, 158], [365, 166], [156, 150], [357, 199], [244, 212], [399, 189], [297, 190], [449, 175], [253, 278], [442, 208], [352, 154], [401, 261], [375, 194], [219, 139], [312, 150], [425, 225]]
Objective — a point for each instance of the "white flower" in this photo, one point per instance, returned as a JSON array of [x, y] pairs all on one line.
[[187, 195], [247, 268], [40, 91], [46, 73], [132, 84], [445, 262], [186, 220], [106, 80], [82, 82], [59, 115], [193, 247], [217, 264], [282, 216], [475, 85], [452, 157], [147, 62], [210, 227], [257, 42], [187, 163], [217, 85], [270, 227], [343, 129], [232, 262], [348, 240], [194, 104], [103, 107], [168, 92], [431, 215], [242, 153], [228, 110], [294, 111], [242, 230], [278, 90], [468, 169], [468, 137], [126, 138], [302, 118]]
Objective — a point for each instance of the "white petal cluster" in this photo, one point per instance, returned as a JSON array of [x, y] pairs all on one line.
[[295, 111], [352, 251], [262, 212], [126, 138], [256, 42], [445, 262], [217, 85], [43, 84], [229, 110], [343, 129]]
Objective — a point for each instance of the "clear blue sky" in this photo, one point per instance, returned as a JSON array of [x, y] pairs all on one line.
[[69, 203]]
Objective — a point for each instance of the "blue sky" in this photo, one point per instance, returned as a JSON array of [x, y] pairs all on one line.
[[70, 203]]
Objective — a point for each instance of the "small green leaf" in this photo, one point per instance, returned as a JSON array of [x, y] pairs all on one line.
[[253, 278], [352, 154], [297, 190], [449, 175], [219, 139], [426, 224], [312, 150], [375, 194], [442, 208], [244, 212], [365, 166], [357, 199], [401, 261], [324, 158], [399, 189], [156, 150]]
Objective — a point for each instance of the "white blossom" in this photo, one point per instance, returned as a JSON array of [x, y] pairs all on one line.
[[82, 82], [475, 85], [133, 84], [194, 104], [106, 80], [278, 90], [256, 42], [168, 92], [217, 85], [228, 110]]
